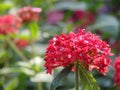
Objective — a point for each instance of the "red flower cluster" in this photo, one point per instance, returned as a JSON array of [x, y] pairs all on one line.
[[29, 14], [9, 24], [117, 72], [21, 43], [85, 47]]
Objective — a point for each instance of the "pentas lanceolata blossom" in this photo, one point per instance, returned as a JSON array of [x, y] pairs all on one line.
[[117, 72], [29, 13], [85, 47], [9, 24]]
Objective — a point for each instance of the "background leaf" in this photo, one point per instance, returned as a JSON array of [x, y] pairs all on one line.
[[34, 29], [106, 23], [70, 6], [5, 6], [12, 84], [61, 75]]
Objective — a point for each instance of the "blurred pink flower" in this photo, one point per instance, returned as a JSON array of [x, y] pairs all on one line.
[[54, 17], [29, 13], [117, 72], [9, 24], [103, 9], [84, 47], [21, 43], [85, 17]]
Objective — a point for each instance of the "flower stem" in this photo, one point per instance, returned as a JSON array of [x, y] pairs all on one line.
[[15, 48], [76, 77], [39, 86], [31, 40], [32, 48]]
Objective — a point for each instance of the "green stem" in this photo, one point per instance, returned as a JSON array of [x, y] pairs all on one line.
[[32, 48], [31, 40], [39, 86], [15, 48], [76, 77]]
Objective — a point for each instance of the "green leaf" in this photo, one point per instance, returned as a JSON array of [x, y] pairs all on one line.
[[70, 6], [34, 30], [83, 83], [106, 23], [12, 84], [5, 5], [60, 76], [9, 70], [87, 80], [84, 77]]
